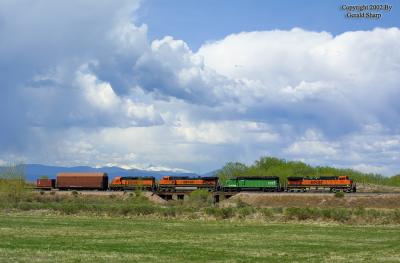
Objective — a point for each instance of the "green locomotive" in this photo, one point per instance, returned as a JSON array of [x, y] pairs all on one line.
[[254, 183]]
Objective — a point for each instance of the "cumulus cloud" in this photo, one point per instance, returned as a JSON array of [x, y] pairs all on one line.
[[81, 84]]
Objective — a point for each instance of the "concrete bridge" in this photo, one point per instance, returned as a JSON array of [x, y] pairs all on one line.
[[184, 195]]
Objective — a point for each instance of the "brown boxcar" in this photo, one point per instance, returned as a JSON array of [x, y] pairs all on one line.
[[92, 181], [45, 184]]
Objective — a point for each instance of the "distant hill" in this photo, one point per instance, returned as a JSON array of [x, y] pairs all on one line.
[[34, 171]]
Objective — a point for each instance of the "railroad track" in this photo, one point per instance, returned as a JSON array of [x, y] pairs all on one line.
[[94, 192]]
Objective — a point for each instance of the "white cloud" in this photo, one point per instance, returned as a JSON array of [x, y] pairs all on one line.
[[92, 90], [367, 168], [312, 144]]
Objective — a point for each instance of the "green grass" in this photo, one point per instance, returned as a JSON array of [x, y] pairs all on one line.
[[40, 238]]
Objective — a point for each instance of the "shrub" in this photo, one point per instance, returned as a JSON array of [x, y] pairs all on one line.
[[69, 208], [74, 193], [170, 211], [200, 197], [12, 184], [360, 211], [302, 213], [396, 215], [341, 214], [339, 194], [243, 212], [211, 211], [221, 213], [267, 213], [277, 210], [144, 210], [240, 203], [226, 213]]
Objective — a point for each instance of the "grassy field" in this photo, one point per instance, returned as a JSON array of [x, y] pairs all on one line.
[[40, 238]]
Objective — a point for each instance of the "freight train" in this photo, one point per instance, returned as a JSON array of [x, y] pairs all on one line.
[[99, 181]]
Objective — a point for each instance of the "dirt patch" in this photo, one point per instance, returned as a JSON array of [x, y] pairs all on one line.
[[154, 198], [389, 201], [373, 188]]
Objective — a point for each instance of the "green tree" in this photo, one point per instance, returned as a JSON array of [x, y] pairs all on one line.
[[231, 169], [12, 183]]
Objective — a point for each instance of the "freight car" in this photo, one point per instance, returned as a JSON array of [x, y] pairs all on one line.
[[87, 181], [45, 184], [255, 183], [185, 183], [333, 183], [133, 183], [99, 181]]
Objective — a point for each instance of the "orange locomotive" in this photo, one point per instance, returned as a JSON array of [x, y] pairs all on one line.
[[131, 183], [185, 183], [333, 183]]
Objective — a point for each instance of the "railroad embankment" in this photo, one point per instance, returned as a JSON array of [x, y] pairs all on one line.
[[321, 200]]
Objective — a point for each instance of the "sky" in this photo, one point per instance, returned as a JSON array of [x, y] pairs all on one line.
[[191, 85]]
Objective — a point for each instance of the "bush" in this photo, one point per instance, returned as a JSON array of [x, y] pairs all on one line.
[[396, 216], [69, 208], [211, 211], [129, 209], [306, 213], [341, 214], [339, 194], [240, 203], [267, 213], [12, 184], [277, 210], [171, 211], [360, 211], [243, 212], [200, 197], [226, 213]]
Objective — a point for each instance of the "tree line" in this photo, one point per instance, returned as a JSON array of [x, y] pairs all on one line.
[[272, 166]]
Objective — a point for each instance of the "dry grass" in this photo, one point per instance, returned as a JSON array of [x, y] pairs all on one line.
[[380, 201], [374, 188]]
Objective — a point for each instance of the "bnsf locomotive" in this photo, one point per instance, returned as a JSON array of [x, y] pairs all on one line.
[[99, 181], [333, 183]]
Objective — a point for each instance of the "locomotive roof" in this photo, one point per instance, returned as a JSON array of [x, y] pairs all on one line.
[[313, 178], [138, 178], [192, 178], [256, 177]]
